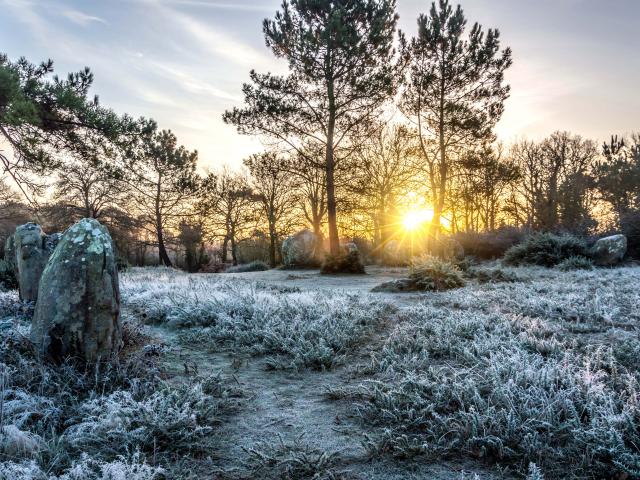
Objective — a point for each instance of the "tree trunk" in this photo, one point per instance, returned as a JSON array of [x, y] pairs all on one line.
[[225, 247], [162, 251], [438, 207], [234, 250], [273, 240], [332, 213]]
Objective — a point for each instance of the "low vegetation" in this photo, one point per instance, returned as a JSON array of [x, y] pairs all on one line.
[[349, 262], [535, 375], [513, 374], [64, 422], [575, 263], [546, 250], [427, 274], [255, 266]]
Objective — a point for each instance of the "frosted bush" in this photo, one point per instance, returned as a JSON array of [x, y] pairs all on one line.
[[133, 467], [10, 470], [292, 460]]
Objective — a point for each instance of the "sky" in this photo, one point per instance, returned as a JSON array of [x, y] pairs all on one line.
[[183, 62]]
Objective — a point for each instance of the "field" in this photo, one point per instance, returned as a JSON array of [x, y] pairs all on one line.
[[293, 375]]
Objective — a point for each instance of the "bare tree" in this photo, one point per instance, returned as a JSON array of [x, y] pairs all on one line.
[[275, 189], [228, 205]]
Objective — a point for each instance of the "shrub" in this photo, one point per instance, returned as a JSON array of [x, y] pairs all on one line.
[[630, 225], [490, 245], [177, 420], [255, 266], [546, 249], [434, 274], [575, 263], [8, 278], [428, 274], [343, 263]]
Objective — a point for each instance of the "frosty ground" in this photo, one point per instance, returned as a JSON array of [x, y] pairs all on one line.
[[290, 374]]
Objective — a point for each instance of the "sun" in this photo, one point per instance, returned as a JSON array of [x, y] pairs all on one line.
[[415, 219]]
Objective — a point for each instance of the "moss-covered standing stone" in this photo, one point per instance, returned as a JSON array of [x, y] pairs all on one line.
[[300, 249], [31, 255], [78, 309]]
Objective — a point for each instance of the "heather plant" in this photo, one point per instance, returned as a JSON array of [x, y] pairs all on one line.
[[435, 274], [546, 250], [174, 420], [492, 275], [575, 263], [427, 274], [297, 330], [130, 467], [255, 266]]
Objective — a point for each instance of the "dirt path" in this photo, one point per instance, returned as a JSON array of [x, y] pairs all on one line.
[[292, 407]]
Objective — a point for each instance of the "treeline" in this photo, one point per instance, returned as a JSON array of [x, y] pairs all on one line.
[[367, 125]]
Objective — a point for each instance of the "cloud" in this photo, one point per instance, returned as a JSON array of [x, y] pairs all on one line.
[[250, 7], [190, 82], [218, 43], [81, 18]]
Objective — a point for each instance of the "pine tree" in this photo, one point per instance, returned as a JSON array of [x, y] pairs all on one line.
[[162, 176], [341, 70], [455, 92], [43, 117]]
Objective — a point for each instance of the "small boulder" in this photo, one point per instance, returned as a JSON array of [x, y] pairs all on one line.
[[300, 249], [609, 251], [31, 254], [78, 309]]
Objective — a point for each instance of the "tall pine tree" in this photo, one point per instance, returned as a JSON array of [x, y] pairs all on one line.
[[341, 70], [455, 91]]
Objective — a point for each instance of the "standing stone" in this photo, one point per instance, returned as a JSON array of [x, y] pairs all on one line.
[[10, 254], [609, 251], [78, 309], [299, 249], [31, 255]]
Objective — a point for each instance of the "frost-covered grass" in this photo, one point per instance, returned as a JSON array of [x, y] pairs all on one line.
[[531, 370], [543, 372], [296, 329], [280, 460], [62, 422]]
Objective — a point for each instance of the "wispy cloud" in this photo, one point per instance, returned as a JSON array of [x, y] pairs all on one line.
[[237, 5], [218, 43], [81, 18]]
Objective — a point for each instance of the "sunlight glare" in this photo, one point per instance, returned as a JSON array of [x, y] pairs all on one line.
[[415, 219]]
